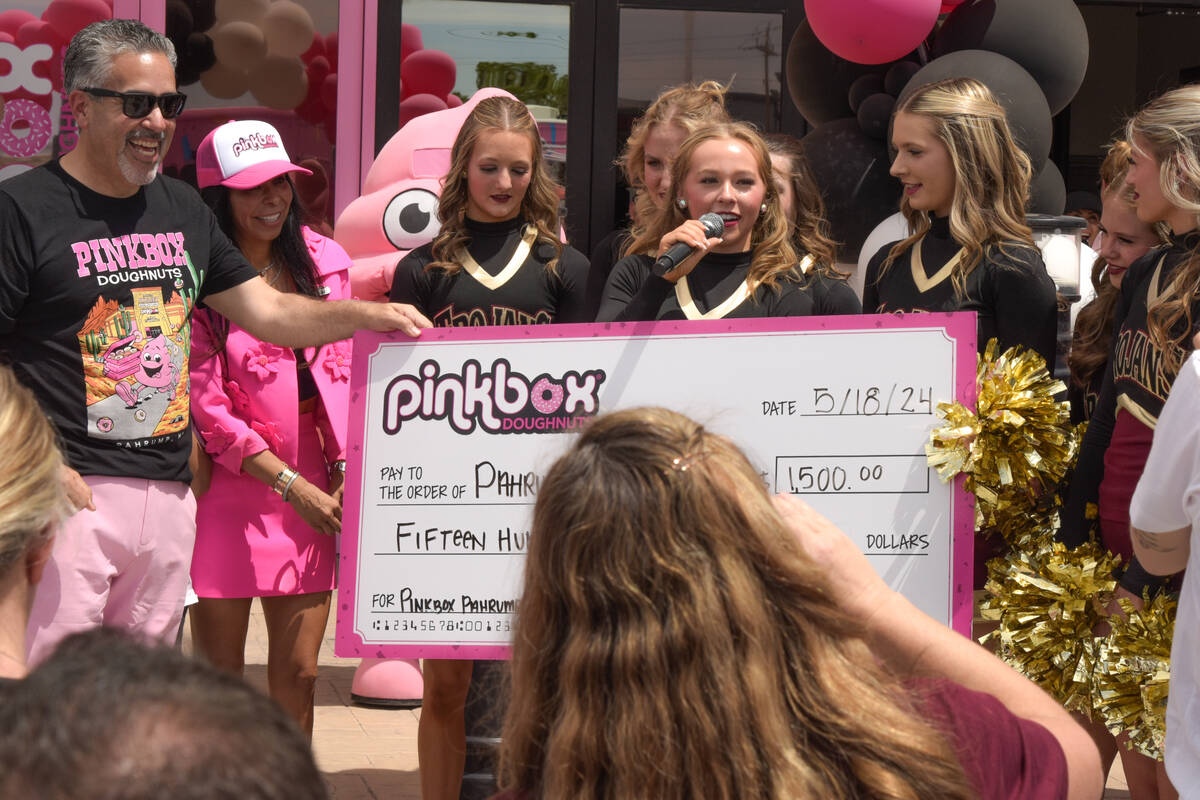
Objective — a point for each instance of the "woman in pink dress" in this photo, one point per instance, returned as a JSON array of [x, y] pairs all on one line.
[[274, 422]]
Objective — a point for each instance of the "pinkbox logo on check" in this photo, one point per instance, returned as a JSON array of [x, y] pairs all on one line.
[[498, 399]]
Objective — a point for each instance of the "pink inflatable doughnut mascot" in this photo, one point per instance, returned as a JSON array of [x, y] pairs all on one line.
[[398, 208]]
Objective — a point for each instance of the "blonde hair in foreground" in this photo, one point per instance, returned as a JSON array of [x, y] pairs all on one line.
[[539, 207], [774, 256], [673, 641], [32, 497], [1170, 126], [991, 173]]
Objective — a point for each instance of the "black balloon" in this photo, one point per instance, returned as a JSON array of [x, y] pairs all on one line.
[[897, 76], [875, 113], [1047, 37], [819, 81], [1047, 191], [204, 14], [851, 170], [199, 50], [1017, 91], [863, 88], [179, 21]]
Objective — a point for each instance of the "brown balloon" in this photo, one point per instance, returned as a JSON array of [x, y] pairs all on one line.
[[224, 82], [241, 10], [279, 82], [240, 45], [289, 28]]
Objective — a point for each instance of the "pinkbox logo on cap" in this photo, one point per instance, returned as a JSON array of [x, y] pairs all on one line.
[[242, 154], [255, 141]]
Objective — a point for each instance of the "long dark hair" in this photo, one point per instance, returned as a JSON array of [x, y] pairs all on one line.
[[288, 250]]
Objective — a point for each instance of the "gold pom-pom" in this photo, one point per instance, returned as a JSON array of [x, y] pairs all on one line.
[[1047, 599], [1133, 671], [1015, 448]]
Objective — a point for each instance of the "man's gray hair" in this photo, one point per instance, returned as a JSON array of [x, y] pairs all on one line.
[[88, 62]]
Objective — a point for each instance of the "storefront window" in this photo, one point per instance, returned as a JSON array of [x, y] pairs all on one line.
[[663, 48], [276, 62], [519, 47], [36, 125]]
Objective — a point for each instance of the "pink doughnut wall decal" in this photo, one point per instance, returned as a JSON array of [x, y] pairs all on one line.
[[23, 110]]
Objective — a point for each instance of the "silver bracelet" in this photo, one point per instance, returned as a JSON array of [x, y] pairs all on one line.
[[284, 475], [287, 486]]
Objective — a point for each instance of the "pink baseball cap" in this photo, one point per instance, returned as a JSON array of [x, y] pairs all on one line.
[[241, 155]]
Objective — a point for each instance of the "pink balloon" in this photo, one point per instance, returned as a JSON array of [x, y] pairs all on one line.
[[37, 32], [13, 19], [428, 72], [317, 69], [312, 110], [410, 40], [419, 104], [453, 101], [7, 37], [331, 48], [872, 31], [317, 48], [329, 91], [68, 17]]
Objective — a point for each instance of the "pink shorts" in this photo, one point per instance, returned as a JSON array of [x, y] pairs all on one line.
[[124, 564]]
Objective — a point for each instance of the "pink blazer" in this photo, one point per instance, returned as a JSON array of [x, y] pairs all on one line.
[[245, 399]]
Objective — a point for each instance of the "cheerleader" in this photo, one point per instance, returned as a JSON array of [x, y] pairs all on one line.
[[805, 210], [966, 184], [751, 270], [1155, 317], [1121, 239], [496, 261], [650, 150]]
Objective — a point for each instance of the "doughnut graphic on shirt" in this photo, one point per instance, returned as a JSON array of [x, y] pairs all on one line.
[[135, 366]]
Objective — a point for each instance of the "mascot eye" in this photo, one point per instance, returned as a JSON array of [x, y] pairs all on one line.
[[410, 219]]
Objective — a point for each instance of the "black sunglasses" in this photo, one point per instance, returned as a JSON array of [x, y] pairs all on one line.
[[136, 105]]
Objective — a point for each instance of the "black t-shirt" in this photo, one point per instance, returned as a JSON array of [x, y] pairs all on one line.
[[635, 293], [502, 287], [96, 296], [1009, 289], [1136, 376]]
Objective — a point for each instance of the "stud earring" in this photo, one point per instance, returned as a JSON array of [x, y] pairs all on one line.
[[682, 202], [762, 209]]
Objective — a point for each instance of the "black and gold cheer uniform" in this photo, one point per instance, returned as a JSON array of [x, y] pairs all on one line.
[[1009, 289], [504, 280]]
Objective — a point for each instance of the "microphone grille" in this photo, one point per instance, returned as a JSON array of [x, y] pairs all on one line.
[[713, 224]]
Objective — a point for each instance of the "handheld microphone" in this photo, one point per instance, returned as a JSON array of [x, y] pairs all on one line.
[[714, 226]]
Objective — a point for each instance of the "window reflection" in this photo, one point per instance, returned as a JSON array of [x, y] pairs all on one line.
[[522, 48], [662, 48], [36, 125], [276, 62]]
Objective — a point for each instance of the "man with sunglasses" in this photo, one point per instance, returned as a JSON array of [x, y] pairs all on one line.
[[101, 263]]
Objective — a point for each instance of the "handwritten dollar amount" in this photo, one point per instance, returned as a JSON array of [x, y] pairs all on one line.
[[872, 400], [872, 474]]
